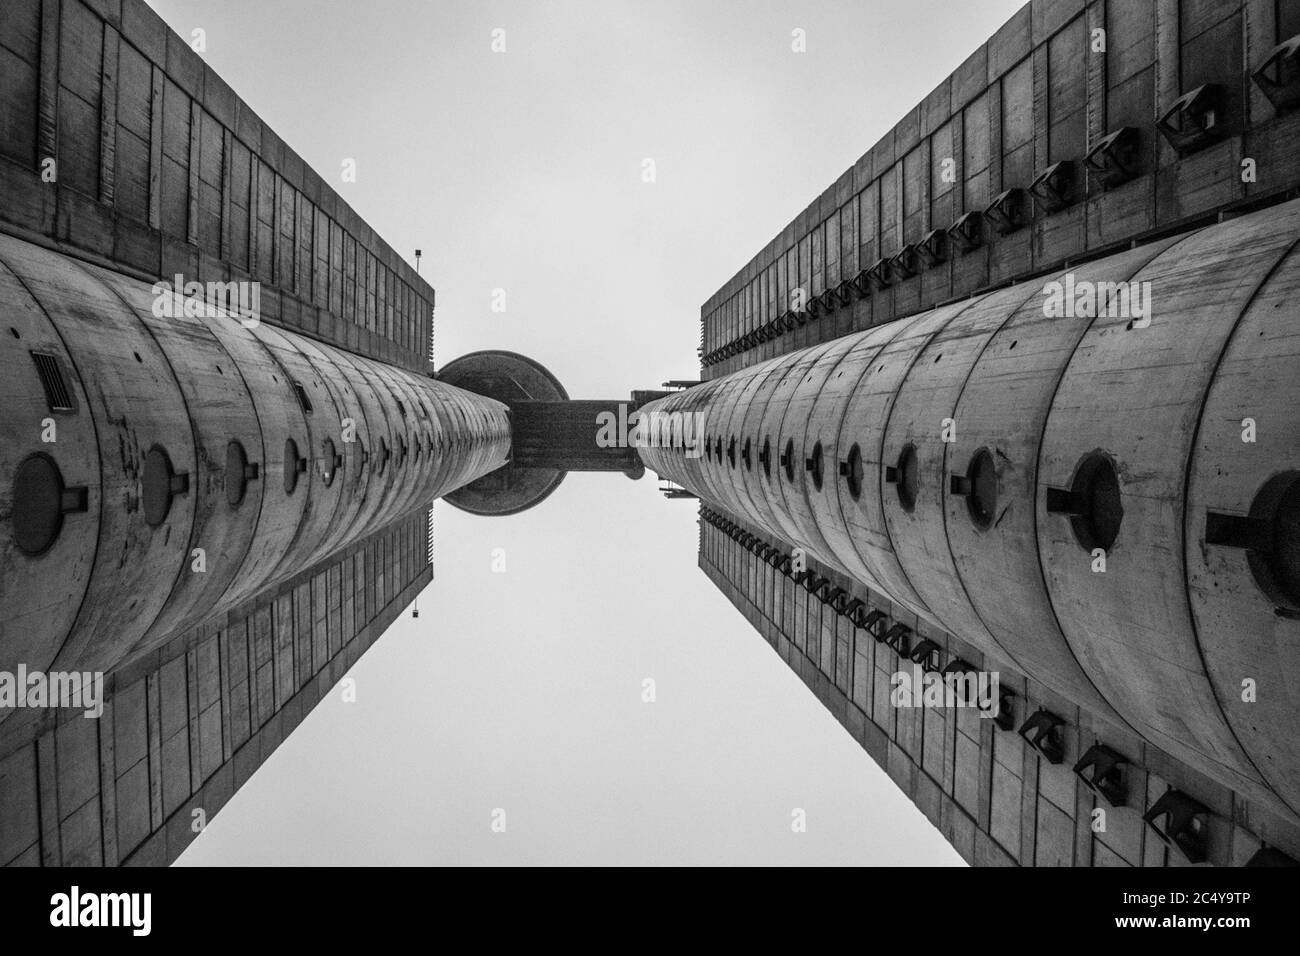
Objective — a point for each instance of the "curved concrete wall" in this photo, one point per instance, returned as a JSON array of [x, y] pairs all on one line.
[[1111, 505], [96, 491]]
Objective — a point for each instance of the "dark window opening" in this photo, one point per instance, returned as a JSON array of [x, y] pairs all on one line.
[[982, 482], [1092, 502], [905, 477], [813, 465]]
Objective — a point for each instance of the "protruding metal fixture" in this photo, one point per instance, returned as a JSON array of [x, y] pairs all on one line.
[[897, 638], [959, 668], [862, 283], [1115, 159], [54, 382], [1008, 211], [1102, 771], [905, 264], [1194, 120], [933, 248], [1005, 719], [1044, 726], [1053, 188], [874, 623], [879, 274], [856, 611], [926, 653], [836, 598], [967, 233], [1183, 827], [813, 582], [1278, 77]]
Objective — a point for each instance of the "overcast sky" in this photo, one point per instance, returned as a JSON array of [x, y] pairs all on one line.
[[521, 171]]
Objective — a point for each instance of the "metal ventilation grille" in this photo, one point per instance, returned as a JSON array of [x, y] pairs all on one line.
[[57, 394], [430, 536], [303, 400]]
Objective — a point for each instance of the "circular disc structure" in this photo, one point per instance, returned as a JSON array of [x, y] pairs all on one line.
[[507, 377]]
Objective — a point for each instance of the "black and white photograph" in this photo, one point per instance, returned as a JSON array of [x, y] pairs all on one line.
[[651, 434]]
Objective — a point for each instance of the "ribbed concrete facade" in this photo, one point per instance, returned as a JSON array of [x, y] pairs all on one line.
[[996, 798], [1089, 142], [213, 459], [120, 144], [1055, 141], [971, 464], [186, 725], [217, 509]]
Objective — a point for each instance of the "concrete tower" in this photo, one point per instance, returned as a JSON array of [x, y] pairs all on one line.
[[1017, 395], [222, 436]]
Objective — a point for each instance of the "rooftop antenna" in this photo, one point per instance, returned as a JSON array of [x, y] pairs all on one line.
[[417, 261]]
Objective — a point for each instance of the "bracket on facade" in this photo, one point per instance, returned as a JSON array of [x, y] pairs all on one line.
[[904, 264], [967, 233], [878, 274], [855, 611], [874, 624], [927, 654], [1008, 211], [1183, 826], [1115, 159], [1005, 719], [1045, 728], [1194, 121], [896, 638], [959, 667], [1278, 77], [812, 582], [1053, 189], [1102, 771], [933, 248]]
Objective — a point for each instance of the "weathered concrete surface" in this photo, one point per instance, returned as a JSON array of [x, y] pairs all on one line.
[[159, 168], [1039, 398], [1037, 93], [366, 446]]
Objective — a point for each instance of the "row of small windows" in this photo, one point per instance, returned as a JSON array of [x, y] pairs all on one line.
[[1092, 502], [42, 499], [1197, 119], [1176, 818]]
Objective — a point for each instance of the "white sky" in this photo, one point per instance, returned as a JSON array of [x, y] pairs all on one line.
[[522, 171]]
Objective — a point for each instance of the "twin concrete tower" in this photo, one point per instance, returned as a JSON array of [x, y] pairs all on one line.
[[1015, 398]]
